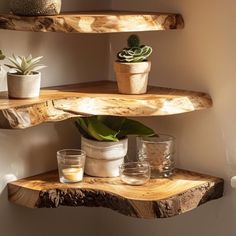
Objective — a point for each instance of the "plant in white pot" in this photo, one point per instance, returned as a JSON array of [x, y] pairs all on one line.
[[24, 79], [132, 67], [104, 139]]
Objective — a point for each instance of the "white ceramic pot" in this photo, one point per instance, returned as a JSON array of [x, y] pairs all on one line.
[[132, 78], [104, 158], [23, 86], [35, 7]]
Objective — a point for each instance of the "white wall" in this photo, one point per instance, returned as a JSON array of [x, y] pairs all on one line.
[[200, 57], [69, 58]]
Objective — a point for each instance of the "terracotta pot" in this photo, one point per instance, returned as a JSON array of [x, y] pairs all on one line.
[[23, 86], [35, 7], [104, 158], [132, 78]]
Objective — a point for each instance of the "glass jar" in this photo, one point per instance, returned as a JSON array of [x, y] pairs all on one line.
[[135, 173], [159, 152], [71, 165]]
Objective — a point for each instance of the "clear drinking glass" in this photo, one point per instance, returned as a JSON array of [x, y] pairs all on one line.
[[159, 152], [135, 173], [71, 165]]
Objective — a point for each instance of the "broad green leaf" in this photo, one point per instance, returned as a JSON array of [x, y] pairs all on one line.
[[111, 128], [99, 131], [133, 127], [82, 127], [113, 122]]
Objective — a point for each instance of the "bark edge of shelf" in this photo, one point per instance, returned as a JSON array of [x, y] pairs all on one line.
[[160, 198], [94, 22], [96, 98]]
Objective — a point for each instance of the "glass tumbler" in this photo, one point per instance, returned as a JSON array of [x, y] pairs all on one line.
[[135, 173], [159, 152], [71, 165]]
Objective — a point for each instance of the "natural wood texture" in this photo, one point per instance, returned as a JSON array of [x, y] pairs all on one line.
[[96, 98], [94, 22], [159, 198]]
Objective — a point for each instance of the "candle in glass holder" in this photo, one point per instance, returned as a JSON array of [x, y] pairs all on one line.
[[71, 165], [73, 174]]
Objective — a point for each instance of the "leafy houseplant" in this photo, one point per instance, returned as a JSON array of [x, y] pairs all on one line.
[[132, 67], [104, 139], [23, 80]]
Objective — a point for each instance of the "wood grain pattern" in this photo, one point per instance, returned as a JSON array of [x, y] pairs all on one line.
[[96, 98], [159, 198], [94, 22]]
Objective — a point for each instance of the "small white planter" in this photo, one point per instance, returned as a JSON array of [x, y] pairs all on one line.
[[132, 78], [23, 86], [104, 158]]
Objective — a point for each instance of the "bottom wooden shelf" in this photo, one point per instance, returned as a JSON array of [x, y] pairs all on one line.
[[160, 198]]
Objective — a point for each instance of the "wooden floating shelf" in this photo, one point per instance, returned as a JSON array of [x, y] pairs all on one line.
[[160, 198], [96, 98], [94, 22]]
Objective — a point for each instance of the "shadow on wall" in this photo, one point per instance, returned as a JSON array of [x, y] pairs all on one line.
[[32, 151], [4, 6], [86, 5], [67, 63], [60, 221]]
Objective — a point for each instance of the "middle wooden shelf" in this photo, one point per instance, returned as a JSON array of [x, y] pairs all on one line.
[[96, 98]]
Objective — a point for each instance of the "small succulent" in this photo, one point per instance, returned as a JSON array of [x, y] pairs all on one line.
[[135, 52], [2, 57], [25, 65]]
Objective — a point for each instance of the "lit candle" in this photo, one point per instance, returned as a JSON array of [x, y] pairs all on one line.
[[73, 174]]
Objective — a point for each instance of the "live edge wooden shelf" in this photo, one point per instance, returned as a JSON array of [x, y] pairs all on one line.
[[96, 98], [160, 198], [94, 22]]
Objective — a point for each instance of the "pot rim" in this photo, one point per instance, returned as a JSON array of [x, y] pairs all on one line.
[[132, 63], [96, 141], [35, 74]]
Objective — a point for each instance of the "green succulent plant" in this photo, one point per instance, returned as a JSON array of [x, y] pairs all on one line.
[[25, 65], [110, 128], [135, 52], [2, 57], [133, 41]]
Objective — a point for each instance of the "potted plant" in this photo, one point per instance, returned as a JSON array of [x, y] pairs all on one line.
[[132, 67], [35, 7], [104, 139], [24, 79]]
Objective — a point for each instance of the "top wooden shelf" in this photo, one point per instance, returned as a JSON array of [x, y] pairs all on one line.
[[94, 22], [96, 98]]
